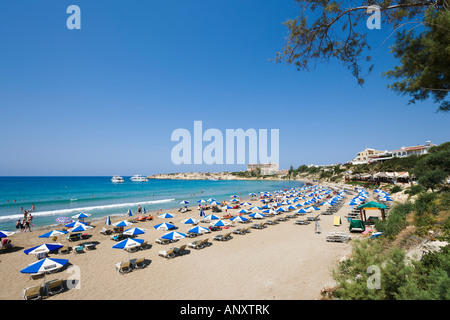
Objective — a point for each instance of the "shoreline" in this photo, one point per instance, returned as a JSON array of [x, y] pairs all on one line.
[[283, 261]]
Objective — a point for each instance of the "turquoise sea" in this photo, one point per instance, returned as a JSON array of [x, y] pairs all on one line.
[[55, 197]]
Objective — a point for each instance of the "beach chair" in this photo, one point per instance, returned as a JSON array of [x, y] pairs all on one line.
[[64, 250], [124, 267], [73, 237], [239, 231], [162, 241], [139, 263], [32, 293], [54, 286], [195, 244], [219, 237], [36, 276], [181, 250], [143, 245], [78, 249], [167, 253], [205, 243], [337, 221]]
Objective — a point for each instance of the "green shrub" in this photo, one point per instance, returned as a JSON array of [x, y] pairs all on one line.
[[396, 189]]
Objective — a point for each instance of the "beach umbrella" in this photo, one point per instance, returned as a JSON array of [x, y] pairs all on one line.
[[190, 221], [128, 243], [201, 201], [129, 213], [211, 217], [246, 204], [220, 223], [183, 202], [227, 207], [233, 196], [198, 229], [252, 194], [108, 220], [80, 228], [266, 206], [280, 209], [257, 215], [63, 219], [166, 215], [255, 208], [290, 207], [215, 203], [52, 233], [211, 199], [4, 234], [134, 231], [314, 209], [75, 224], [43, 265], [164, 226], [235, 200], [123, 223], [242, 211], [46, 247], [174, 235], [302, 210], [238, 219], [81, 215]]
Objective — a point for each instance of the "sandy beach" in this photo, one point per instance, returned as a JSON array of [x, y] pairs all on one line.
[[282, 261]]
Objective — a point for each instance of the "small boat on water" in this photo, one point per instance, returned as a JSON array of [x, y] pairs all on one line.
[[117, 179], [138, 178]]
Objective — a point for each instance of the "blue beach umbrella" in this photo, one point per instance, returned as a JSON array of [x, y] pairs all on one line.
[[257, 215], [315, 209], [190, 221], [220, 223], [129, 214], [199, 230], [227, 207], [4, 234], [44, 265], [164, 226], [183, 202], [122, 223], [215, 203], [302, 210], [75, 223], [108, 220], [81, 215], [80, 228], [238, 219], [173, 235], [211, 199], [211, 217], [243, 211], [46, 247], [201, 201], [246, 204], [166, 215], [52, 233], [134, 231], [128, 243], [255, 208], [280, 209]]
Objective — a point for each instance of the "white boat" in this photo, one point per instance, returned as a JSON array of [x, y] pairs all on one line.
[[117, 179], [138, 178]]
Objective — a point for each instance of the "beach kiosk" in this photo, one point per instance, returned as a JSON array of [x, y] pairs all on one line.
[[372, 205]]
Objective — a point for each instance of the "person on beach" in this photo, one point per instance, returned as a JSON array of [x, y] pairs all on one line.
[[139, 209], [32, 207], [19, 225]]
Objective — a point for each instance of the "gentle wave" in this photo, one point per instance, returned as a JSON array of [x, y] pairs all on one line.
[[85, 209]]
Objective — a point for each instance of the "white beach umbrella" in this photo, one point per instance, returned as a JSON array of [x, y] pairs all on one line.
[[166, 215]]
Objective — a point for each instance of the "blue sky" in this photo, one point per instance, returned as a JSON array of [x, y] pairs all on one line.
[[105, 99]]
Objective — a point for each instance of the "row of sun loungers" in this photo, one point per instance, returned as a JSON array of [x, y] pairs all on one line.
[[128, 266], [223, 237], [173, 252], [36, 292], [199, 244], [338, 237]]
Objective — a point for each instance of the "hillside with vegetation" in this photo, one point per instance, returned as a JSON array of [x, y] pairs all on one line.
[[412, 256]]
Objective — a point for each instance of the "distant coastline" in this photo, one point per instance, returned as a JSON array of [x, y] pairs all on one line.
[[210, 176]]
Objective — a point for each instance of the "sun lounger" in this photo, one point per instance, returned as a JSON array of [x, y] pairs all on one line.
[[302, 222], [192, 234], [205, 243], [239, 231], [32, 293], [181, 250], [54, 287], [139, 263], [74, 236], [36, 276], [167, 253], [162, 241], [143, 245], [64, 250], [258, 225], [195, 244], [123, 267], [78, 249], [338, 237]]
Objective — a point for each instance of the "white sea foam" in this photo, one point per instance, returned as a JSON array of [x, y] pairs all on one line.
[[60, 212]]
